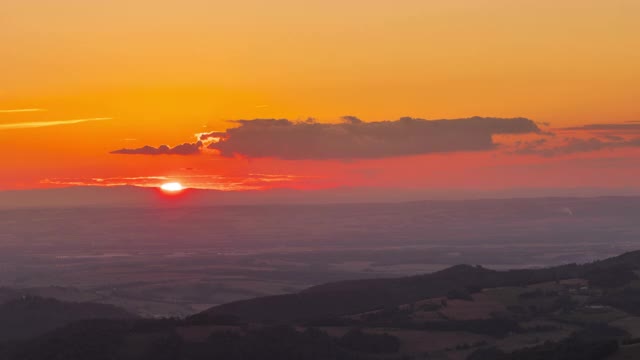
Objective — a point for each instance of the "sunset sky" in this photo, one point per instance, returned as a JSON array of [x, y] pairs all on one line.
[[317, 94]]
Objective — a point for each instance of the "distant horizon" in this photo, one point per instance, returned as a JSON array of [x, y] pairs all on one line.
[[129, 195]]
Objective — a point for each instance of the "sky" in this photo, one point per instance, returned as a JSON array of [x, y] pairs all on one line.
[[254, 94]]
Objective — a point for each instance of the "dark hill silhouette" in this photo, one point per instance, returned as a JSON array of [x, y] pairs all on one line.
[[30, 316], [8, 294], [96, 337], [356, 296], [630, 259]]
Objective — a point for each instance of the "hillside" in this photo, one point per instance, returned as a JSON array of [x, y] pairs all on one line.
[[30, 316], [340, 298], [569, 312]]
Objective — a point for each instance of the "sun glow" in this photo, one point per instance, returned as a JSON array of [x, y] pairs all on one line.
[[171, 187]]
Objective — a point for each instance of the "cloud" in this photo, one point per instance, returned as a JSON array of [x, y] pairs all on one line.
[[211, 135], [588, 138], [617, 127], [13, 111], [529, 147], [39, 124], [576, 145], [183, 149], [354, 138], [613, 137], [206, 182]]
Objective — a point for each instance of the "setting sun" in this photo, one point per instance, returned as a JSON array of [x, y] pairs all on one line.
[[171, 187]]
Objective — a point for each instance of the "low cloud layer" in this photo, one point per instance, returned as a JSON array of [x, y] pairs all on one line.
[[249, 181], [353, 138], [350, 139], [576, 145], [629, 126], [184, 149]]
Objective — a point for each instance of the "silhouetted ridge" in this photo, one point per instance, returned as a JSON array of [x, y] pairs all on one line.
[[354, 296], [29, 316], [631, 258]]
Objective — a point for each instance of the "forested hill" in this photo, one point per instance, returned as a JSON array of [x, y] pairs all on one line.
[[30, 316], [349, 297]]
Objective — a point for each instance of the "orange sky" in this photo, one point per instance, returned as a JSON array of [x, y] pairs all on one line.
[[158, 72]]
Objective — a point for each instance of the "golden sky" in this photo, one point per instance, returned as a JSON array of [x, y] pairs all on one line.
[[157, 72]]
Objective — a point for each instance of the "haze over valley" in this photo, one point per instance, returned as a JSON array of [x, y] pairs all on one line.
[[176, 261]]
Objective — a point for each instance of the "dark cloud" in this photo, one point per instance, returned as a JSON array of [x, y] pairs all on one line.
[[576, 145], [184, 149], [617, 127], [613, 137], [529, 147], [353, 138], [351, 120]]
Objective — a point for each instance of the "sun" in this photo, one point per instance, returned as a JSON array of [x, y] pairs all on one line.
[[172, 187]]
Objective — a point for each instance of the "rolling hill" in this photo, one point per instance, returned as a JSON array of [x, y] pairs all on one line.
[[29, 316], [356, 296]]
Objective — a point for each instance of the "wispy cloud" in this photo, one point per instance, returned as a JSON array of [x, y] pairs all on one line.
[[575, 145], [202, 182], [631, 125], [13, 111], [39, 124], [183, 149]]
